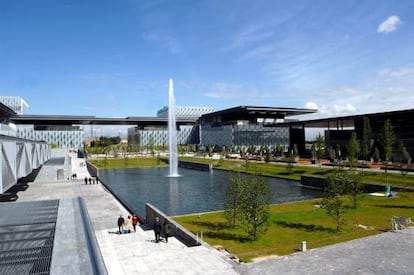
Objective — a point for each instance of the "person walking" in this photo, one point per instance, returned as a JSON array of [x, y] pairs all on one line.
[[135, 222], [157, 229], [121, 222], [129, 227], [167, 227]]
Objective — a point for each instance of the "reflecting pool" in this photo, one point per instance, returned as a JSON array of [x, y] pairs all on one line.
[[193, 192]]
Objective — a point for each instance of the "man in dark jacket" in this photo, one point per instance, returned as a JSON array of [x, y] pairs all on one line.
[[157, 229], [121, 222]]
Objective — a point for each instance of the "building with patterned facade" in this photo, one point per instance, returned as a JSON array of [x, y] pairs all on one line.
[[186, 112], [16, 103], [64, 136], [249, 125], [158, 136]]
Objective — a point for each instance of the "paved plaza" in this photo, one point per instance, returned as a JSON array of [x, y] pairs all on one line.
[[137, 253]]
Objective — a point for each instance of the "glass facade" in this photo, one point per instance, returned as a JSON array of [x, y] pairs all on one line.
[[159, 136], [243, 135], [186, 134], [186, 112], [63, 138]]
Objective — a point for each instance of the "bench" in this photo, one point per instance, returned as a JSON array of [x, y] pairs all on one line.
[[399, 223]]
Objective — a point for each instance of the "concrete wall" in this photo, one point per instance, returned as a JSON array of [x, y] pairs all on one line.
[[178, 231], [195, 165], [319, 183]]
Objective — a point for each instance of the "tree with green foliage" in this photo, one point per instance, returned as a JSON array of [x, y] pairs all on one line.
[[366, 138], [233, 197], [387, 142], [333, 197], [295, 150], [290, 162], [353, 150], [247, 200], [320, 146], [404, 158], [354, 185], [255, 205]]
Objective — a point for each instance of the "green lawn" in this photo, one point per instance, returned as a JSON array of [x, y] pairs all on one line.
[[280, 171], [292, 223], [127, 162]]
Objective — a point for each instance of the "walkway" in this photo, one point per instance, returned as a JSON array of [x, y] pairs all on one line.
[[136, 253]]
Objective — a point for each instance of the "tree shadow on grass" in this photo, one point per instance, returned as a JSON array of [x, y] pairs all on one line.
[[227, 236], [321, 173], [219, 232], [211, 225], [394, 206], [299, 171], [285, 173], [306, 227]]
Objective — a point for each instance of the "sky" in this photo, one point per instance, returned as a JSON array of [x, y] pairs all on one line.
[[113, 58]]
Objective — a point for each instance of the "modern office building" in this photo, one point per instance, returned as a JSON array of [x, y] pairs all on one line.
[[16, 103], [250, 125], [63, 136], [158, 135], [338, 130], [186, 112], [60, 136]]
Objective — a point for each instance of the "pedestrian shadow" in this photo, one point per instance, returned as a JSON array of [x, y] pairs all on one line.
[[118, 233]]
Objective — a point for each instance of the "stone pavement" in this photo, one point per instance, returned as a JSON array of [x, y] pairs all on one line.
[[136, 253], [133, 253]]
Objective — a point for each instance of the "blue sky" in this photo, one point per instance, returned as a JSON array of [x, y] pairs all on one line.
[[113, 58]]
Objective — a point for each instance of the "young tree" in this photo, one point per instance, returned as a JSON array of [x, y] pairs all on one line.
[[354, 185], [247, 199], [234, 192], [387, 142], [333, 201], [353, 150], [366, 138], [405, 157], [295, 150], [290, 162], [255, 205], [320, 146]]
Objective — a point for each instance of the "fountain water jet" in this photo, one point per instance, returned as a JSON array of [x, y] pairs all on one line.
[[172, 132]]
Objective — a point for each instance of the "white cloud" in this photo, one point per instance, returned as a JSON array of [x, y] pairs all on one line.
[[311, 105], [332, 109], [388, 90], [389, 25]]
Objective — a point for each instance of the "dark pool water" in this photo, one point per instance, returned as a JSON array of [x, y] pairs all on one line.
[[193, 192]]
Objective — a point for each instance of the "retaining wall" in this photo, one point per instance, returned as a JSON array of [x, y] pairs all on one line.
[[178, 231], [320, 183]]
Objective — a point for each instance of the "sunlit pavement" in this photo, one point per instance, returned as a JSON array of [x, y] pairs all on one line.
[[136, 253]]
